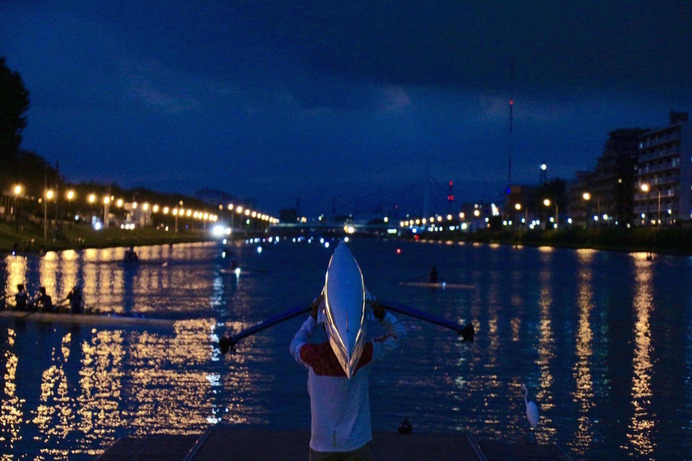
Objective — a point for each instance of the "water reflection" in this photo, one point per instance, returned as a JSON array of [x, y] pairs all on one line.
[[546, 343], [12, 411], [641, 423], [573, 325], [584, 395], [16, 268]]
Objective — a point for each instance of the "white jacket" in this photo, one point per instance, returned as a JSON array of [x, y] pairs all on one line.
[[340, 407]]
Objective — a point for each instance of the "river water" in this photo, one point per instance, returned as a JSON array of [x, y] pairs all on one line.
[[603, 341]]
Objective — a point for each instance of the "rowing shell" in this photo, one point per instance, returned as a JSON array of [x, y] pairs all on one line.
[[344, 308], [86, 319], [443, 285]]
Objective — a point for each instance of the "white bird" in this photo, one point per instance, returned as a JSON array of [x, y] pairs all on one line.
[[531, 413]]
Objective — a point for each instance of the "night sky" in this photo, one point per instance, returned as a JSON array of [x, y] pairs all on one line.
[[346, 105]]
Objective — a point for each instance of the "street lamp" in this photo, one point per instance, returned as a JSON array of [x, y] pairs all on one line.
[[17, 190], [517, 206], [47, 196], [70, 198], [587, 196], [646, 188], [106, 210], [547, 202]]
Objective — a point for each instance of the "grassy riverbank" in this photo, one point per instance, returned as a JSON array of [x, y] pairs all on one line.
[[29, 237]]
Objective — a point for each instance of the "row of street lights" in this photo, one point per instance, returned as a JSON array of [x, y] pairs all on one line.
[[107, 200], [179, 211], [240, 211]]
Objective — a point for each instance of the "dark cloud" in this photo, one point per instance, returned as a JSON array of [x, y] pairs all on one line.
[[333, 99]]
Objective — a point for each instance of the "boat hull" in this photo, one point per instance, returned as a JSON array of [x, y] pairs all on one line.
[[344, 308], [85, 319]]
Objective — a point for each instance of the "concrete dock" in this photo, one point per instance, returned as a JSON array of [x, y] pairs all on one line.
[[242, 444]]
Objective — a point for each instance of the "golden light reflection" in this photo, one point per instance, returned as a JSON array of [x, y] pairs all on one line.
[[69, 269], [546, 345], [101, 378], [641, 425], [84, 380], [16, 273], [584, 394], [11, 412], [48, 271], [55, 414]]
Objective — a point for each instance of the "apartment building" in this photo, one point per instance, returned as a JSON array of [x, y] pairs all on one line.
[[663, 184], [603, 197]]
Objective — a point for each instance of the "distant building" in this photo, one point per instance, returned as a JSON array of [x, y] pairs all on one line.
[[664, 167], [609, 187]]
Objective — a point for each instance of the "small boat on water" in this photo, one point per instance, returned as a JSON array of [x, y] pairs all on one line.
[[84, 319], [439, 285]]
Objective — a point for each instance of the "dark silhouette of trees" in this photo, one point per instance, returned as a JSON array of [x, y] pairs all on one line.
[[14, 102]]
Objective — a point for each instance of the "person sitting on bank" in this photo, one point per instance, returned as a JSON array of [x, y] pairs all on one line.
[[21, 298], [44, 302], [75, 298]]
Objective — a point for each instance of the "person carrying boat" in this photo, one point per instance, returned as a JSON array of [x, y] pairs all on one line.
[[338, 384], [75, 298], [21, 299], [44, 302]]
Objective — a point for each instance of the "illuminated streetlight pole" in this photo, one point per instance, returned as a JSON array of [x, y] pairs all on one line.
[[587, 196], [547, 202], [647, 188], [17, 189], [106, 210], [659, 205], [517, 206], [70, 197], [48, 195]]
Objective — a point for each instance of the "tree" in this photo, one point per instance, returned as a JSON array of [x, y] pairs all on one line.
[[14, 102]]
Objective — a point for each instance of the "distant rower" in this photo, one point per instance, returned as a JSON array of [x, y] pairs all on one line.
[[433, 275], [75, 298], [131, 255]]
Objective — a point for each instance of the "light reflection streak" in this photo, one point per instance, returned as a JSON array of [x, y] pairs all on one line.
[[11, 412], [584, 395], [546, 345], [100, 382], [641, 424], [48, 271], [517, 303], [169, 380], [493, 385], [69, 272], [16, 267], [55, 413]]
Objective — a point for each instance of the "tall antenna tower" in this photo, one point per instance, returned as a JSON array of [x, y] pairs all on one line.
[[511, 107]]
